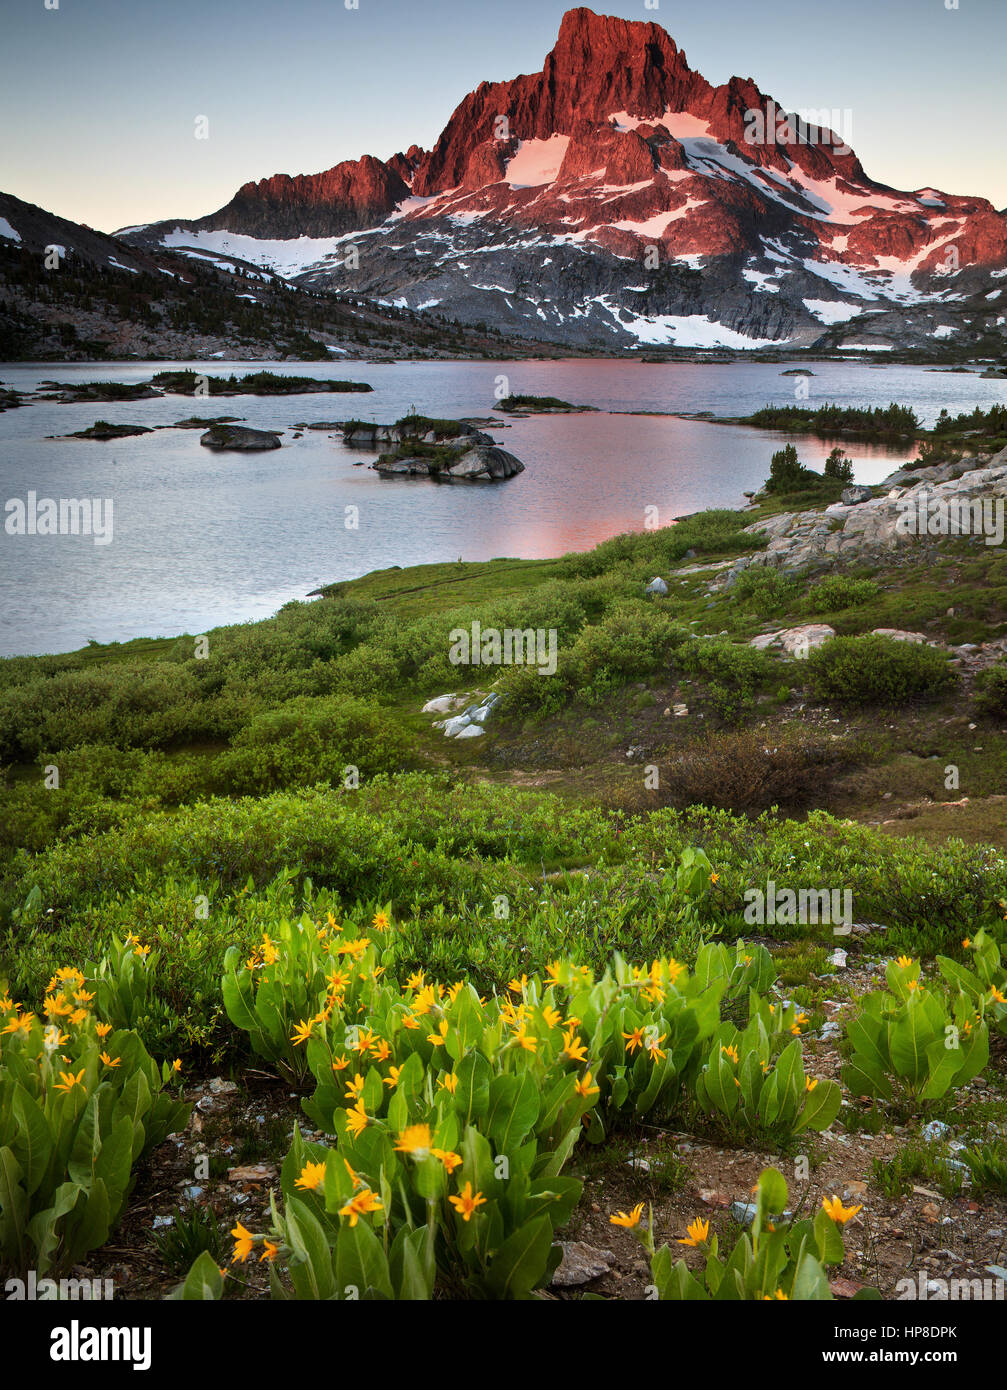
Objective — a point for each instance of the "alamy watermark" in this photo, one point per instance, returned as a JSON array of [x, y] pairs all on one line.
[[32, 1289], [926, 1287], [804, 906], [63, 516], [805, 127], [926, 515], [509, 646]]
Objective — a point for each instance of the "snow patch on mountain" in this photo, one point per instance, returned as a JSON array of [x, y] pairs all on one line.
[[536, 162], [681, 330], [285, 258], [832, 310], [762, 280]]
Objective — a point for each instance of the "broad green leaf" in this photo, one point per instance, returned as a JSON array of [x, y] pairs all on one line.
[[203, 1283], [521, 1262], [311, 1265], [821, 1106], [33, 1142]]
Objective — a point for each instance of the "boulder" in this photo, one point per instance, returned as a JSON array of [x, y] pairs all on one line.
[[856, 494], [453, 727], [101, 429], [443, 704], [657, 586], [580, 1264], [477, 463], [795, 640], [484, 462], [798, 640], [896, 634], [470, 731], [239, 437]]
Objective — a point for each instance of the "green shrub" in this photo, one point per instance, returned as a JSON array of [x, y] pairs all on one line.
[[877, 670], [786, 471], [739, 668], [991, 691], [837, 592], [311, 740], [81, 1100], [838, 466], [766, 591]]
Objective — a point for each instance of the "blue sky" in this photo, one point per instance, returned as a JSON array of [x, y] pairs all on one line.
[[99, 98]]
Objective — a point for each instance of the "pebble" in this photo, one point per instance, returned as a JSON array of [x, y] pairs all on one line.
[[219, 1087], [936, 1129]]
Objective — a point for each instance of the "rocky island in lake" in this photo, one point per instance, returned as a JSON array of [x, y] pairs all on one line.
[[445, 450]]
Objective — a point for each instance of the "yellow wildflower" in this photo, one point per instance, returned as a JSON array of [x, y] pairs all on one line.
[[834, 1208], [415, 1140], [243, 1242], [361, 1204], [467, 1201], [312, 1177], [698, 1233]]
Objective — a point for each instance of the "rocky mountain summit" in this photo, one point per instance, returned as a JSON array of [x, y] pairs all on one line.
[[617, 198]]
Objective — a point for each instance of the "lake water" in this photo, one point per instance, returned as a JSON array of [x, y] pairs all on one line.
[[202, 538]]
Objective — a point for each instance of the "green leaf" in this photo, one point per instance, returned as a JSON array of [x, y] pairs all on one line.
[[957, 974], [86, 1144], [522, 1260], [238, 1001], [863, 1080], [361, 1261], [771, 1197], [810, 1283], [33, 1141], [311, 1265], [513, 1109], [828, 1239], [555, 1161], [472, 1093], [203, 1283], [87, 1227], [13, 1208], [821, 1106], [114, 1163], [44, 1227], [870, 1046]]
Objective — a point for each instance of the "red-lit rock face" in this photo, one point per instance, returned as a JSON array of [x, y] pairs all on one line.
[[617, 150], [353, 194]]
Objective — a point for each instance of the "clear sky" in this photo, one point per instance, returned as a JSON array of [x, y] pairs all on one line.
[[99, 98]]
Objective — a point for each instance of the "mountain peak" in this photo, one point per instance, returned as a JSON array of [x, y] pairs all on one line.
[[599, 66], [588, 35], [618, 194]]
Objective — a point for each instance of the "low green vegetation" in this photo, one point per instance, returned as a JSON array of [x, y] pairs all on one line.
[[533, 403], [837, 421], [253, 847], [877, 670], [187, 382]]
